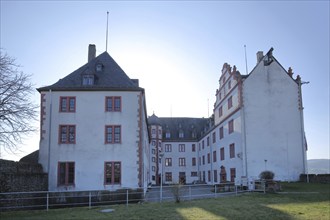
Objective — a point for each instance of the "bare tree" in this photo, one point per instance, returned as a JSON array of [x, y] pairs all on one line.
[[17, 111]]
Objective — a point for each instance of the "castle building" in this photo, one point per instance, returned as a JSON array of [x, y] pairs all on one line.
[[93, 129], [257, 125], [95, 133]]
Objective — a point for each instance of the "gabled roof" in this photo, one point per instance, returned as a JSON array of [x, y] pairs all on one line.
[[192, 128], [112, 77]]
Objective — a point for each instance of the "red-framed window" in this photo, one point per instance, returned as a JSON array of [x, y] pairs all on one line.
[[231, 126], [168, 162], [230, 102], [113, 104], [215, 175], [65, 173], [220, 111], [232, 150], [193, 161], [232, 174], [182, 162], [221, 132], [214, 156], [182, 148], [168, 148], [193, 147], [222, 153], [67, 134], [112, 134], [168, 176], [112, 172], [67, 104]]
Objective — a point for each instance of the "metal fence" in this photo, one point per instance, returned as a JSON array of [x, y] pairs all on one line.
[[49, 200]]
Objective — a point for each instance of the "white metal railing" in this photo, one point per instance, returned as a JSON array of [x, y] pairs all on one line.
[[47, 200]]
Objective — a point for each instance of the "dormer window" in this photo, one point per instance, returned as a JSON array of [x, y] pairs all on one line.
[[181, 134], [88, 80], [167, 134], [99, 67]]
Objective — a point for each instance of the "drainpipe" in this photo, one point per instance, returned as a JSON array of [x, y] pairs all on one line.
[[49, 135]]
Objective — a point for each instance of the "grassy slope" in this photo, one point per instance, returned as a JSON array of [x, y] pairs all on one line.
[[312, 203]]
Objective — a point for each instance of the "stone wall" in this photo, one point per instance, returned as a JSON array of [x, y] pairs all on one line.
[[22, 177], [315, 178]]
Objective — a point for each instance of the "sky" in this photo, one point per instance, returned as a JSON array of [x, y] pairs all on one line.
[[175, 48]]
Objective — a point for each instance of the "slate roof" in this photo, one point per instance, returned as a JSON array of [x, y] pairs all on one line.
[[112, 77], [193, 128]]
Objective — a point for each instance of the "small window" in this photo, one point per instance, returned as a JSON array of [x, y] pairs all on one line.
[[221, 132], [182, 162], [113, 134], [112, 173], [113, 104], [67, 104], [193, 161], [231, 126], [65, 176], [168, 162], [168, 148], [182, 148], [168, 134], [232, 150], [220, 111], [168, 176], [181, 134], [222, 153], [230, 102], [67, 134], [88, 80], [99, 67]]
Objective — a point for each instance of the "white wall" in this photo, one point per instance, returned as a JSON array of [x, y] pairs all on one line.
[[90, 151], [273, 125]]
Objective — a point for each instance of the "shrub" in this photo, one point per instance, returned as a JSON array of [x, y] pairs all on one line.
[[267, 175]]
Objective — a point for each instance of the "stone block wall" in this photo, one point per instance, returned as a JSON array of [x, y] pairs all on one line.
[[22, 177]]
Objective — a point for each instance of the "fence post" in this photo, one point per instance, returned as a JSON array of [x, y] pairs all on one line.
[[215, 191], [126, 197], [47, 201], [189, 192], [90, 200]]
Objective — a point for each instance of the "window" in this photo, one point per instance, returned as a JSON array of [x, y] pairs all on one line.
[[231, 126], [232, 150], [182, 162], [223, 174], [153, 159], [209, 176], [203, 144], [88, 80], [215, 175], [112, 173], [208, 158], [99, 67], [221, 132], [181, 134], [229, 84], [193, 161], [230, 102], [168, 148], [67, 104], [193, 147], [203, 158], [220, 95], [65, 176], [232, 174], [153, 131], [204, 176], [213, 137], [222, 153], [113, 134], [182, 148], [168, 176], [214, 156], [153, 168], [153, 151], [67, 134], [168, 162], [208, 141], [153, 143], [113, 104], [193, 174], [220, 111], [168, 134]]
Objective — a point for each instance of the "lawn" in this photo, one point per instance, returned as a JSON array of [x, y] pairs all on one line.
[[312, 202]]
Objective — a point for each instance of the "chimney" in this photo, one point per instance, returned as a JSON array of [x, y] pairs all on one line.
[[260, 55], [91, 52]]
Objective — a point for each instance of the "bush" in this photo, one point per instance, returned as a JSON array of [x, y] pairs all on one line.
[[266, 175]]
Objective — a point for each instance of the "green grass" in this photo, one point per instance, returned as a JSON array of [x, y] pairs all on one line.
[[312, 203]]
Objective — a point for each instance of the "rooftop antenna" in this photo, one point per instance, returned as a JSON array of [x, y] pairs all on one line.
[[246, 68], [106, 38]]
